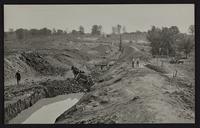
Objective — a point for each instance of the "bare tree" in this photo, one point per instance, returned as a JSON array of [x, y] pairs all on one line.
[[120, 38], [124, 29], [96, 30], [11, 30], [187, 45], [54, 31], [119, 29], [81, 30], [114, 30]]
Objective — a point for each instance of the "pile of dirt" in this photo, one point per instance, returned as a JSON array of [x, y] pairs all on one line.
[[128, 53], [45, 62], [157, 68], [39, 64], [12, 63], [102, 49]]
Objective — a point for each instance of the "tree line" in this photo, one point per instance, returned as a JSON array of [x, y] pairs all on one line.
[[22, 33], [95, 30], [169, 41], [163, 41]]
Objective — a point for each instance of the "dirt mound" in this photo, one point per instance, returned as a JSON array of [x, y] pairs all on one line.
[[128, 53], [32, 64], [157, 68], [13, 63], [102, 49], [39, 64], [131, 96]]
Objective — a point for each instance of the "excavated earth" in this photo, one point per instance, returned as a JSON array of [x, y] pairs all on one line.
[[44, 74], [145, 94], [134, 96], [19, 98], [121, 94]]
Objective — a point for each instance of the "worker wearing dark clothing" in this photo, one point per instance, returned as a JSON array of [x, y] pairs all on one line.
[[18, 77], [133, 63], [137, 62], [75, 71]]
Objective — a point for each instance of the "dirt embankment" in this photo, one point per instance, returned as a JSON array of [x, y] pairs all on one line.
[[45, 73], [42, 63], [122, 94], [145, 94], [134, 96]]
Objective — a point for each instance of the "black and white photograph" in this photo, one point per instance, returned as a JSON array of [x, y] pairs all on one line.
[[99, 64]]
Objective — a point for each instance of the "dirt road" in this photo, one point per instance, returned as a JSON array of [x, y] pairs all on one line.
[[139, 95]]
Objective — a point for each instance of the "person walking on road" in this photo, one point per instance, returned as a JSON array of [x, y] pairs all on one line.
[[137, 62], [133, 63], [18, 77]]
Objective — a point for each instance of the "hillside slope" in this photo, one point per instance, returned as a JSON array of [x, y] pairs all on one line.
[[140, 95]]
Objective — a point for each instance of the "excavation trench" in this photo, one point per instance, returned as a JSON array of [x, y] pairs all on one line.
[[53, 97], [46, 110]]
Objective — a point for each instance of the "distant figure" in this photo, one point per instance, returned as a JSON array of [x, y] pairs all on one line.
[[18, 77], [137, 62], [133, 62]]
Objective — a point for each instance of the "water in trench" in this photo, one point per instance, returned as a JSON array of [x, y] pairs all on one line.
[[45, 111]]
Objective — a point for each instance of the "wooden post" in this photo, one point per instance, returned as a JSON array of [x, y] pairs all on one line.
[[176, 73], [157, 60], [120, 43], [162, 63]]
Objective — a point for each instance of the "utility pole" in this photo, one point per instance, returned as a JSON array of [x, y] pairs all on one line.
[[120, 42]]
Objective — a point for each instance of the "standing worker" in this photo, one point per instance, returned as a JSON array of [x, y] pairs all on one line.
[[18, 77], [137, 62], [133, 62]]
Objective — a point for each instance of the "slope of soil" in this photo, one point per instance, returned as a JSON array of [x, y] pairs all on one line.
[[133, 96], [139, 95], [43, 63], [22, 116], [121, 94], [18, 98], [44, 72]]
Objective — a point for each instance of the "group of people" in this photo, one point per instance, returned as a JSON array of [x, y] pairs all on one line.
[[135, 61]]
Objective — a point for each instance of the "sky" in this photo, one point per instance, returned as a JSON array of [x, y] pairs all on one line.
[[69, 17]]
